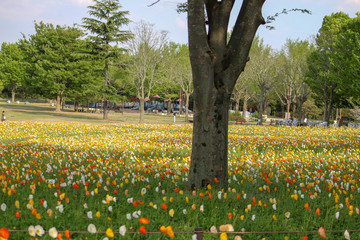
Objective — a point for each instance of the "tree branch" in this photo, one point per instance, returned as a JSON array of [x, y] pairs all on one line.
[[249, 19], [271, 19], [152, 4]]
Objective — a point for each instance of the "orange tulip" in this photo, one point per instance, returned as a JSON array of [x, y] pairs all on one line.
[[318, 211], [163, 229], [306, 206], [164, 206], [305, 238], [59, 236], [4, 233], [170, 232], [144, 221], [67, 234], [17, 214], [142, 230], [34, 211]]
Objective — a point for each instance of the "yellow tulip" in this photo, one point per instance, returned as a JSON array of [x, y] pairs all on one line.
[[109, 233], [223, 236]]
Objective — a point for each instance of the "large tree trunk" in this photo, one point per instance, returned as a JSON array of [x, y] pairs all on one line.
[[216, 65], [180, 104], [13, 94], [169, 107], [237, 104], [210, 139], [245, 100], [261, 106], [76, 106], [187, 97], [294, 109], [328, 100], [141, 109], [288, 104], [58, 102], [106, 102], [106, 109]]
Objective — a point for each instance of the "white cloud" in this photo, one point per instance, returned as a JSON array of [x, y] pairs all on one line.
[[84, 3], [20, 10], [180, 23], [349, 5]]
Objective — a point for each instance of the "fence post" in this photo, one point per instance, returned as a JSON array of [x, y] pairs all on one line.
[[199, 233]]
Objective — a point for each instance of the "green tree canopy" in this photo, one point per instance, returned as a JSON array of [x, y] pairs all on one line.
[[12, 71], [104, 26], [55, 64], [333, 65]]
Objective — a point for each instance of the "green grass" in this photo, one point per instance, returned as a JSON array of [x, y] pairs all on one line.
[[45, 112]]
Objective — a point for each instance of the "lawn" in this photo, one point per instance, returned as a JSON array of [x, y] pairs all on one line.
[[45, 112], [95, 180]]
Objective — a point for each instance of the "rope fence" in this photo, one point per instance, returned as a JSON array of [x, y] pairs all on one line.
[[198, 231]]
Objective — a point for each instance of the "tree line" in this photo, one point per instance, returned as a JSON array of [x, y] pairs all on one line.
[[306, 78], [98, 60]]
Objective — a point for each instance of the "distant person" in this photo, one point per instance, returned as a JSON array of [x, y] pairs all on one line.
[[3, 117], [174, 117]]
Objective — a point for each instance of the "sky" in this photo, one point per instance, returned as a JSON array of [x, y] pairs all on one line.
[[17, 17]]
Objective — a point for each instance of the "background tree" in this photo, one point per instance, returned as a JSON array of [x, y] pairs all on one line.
[[348, 55], [12, 71], [169, 68], [185, 78], [262, 74], [54, 65], [291, 85], [323, 76], [146, 52], [105, 29]]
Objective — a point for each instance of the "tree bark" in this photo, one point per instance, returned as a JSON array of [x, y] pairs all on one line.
[[12, 94], [169, 107], [237, 104], [216, 65], [288, 104], [76, 106], [187, 97], [106, 109], [261, 106], [294, 109], [245, 100], [141, 109], [58, 102], [106, 102]]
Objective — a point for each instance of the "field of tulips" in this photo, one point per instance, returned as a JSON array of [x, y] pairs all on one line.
[[88, 181]]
